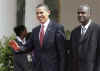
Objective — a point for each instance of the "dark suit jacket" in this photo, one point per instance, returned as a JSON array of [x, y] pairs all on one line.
[[84, 50], [20, 59], [51, 56]]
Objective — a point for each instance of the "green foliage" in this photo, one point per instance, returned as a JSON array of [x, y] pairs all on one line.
[[67, 33], [54, 7], [6, 55]]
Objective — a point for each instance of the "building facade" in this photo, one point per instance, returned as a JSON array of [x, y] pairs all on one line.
[[67, 10]]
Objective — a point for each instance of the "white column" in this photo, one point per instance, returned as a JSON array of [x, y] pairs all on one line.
[[7, 17], [30, 16]]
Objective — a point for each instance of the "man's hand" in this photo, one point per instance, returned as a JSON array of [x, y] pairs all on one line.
[[14, 45]]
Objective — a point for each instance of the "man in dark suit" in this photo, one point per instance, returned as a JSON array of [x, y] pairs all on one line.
[[85, 40], [47, 41]]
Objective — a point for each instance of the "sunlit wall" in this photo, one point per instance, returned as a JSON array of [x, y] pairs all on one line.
[[7, 17], [30, 16]]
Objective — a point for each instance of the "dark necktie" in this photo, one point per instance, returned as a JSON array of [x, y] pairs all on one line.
[[41, 35]]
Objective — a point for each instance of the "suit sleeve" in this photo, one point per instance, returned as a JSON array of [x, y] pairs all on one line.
[[60, 43], [97, 64], [30, 44]]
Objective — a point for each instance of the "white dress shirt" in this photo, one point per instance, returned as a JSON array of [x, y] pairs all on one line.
[[20, 40], [45, 26], [85, 27]]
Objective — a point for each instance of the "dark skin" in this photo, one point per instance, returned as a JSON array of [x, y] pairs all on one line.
[[23, 34], [83, 15]]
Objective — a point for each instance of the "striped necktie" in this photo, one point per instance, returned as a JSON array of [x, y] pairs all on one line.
[[83, 30]]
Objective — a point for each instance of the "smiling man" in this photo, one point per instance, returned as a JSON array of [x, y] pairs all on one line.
[[47, 41], [42, 14], [85, 40]]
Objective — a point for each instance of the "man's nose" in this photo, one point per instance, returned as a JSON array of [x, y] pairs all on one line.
[[80, 14], [39, 14]]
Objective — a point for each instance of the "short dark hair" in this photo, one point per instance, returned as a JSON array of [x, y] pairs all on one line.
[[19, 29], [85, 5], [43, 5]]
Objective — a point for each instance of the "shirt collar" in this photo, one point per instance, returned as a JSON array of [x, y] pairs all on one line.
[[87, 25], [19, 39], [46, 23]]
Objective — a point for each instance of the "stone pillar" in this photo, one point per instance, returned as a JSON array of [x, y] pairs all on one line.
[[30, 16], [7, 17]]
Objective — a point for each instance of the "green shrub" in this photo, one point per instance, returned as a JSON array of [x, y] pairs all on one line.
[[67, 33], [6, 55]]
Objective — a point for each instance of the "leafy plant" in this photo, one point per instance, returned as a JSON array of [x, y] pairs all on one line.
[[6, 55], [67, 33]]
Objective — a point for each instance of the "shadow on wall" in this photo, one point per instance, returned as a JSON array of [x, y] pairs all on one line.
[[20, 12]]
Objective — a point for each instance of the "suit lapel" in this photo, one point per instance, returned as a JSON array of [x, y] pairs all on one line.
[[88, 32], [84, 40], [37, 36], [49, 28], [78, 35]]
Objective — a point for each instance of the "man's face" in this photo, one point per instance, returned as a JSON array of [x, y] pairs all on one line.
[[83, 15], [42, 14]]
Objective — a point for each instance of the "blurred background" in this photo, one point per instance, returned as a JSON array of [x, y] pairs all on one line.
[[18, 12]]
